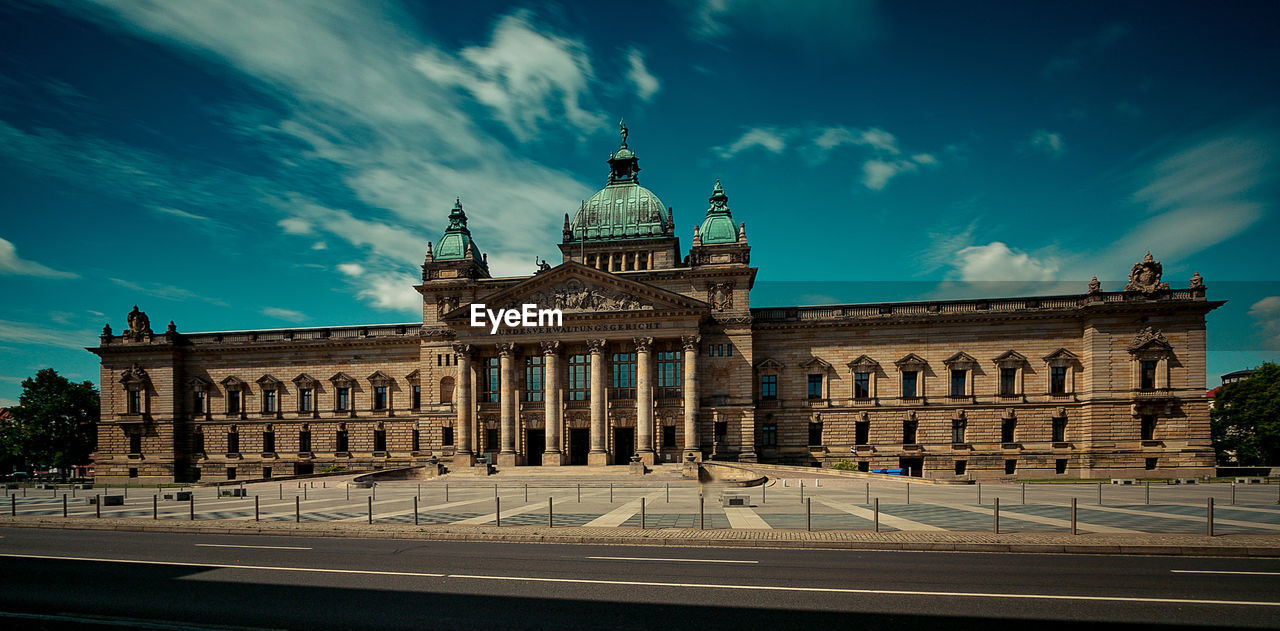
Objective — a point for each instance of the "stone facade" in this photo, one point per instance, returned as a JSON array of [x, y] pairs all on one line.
[[661, 357]]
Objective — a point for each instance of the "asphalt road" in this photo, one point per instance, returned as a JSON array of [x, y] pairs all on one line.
[[64, 579]]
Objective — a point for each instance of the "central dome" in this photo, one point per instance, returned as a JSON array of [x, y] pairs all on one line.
[[622, 209]]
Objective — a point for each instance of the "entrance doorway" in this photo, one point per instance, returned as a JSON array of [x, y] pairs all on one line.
[[535, 443], [579, 445], [624, 444], [914, 466]]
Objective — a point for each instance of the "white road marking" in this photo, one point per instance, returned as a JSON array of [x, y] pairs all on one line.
[[506, 512], [615, 517], [228, 545], [223, 565], [1179, 516], [1040, 519], [677, 560], [884, 592], [901, 523], [1225, 572], [744, 517]]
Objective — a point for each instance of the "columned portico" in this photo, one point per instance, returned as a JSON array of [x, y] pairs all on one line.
[[691, 447], [599, 454], [644, 400], [507, 403], [464, 455], [554, 455]]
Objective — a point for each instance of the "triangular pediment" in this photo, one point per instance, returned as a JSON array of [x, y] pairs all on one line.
[[864, 364], [769, 363], [342, 377], [960, 359], [815, 363], [1010, 358], [380, 378], [413, 377], [574, 288], [303, 379], [912, 361], [231, 382], [1061, 354], [267, 381]]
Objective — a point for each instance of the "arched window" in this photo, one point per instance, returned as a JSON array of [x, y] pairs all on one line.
[[446, 390]]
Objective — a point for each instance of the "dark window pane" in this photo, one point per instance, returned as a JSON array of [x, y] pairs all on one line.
[[768, 387], [909, 384], [815, 386], [861, 432], [1008, 381], [815, 433], [1147, 378], [957, 383], [862, 385], [1058, 380]]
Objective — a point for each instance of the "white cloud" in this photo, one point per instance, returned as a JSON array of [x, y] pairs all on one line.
[[351, 269], [180, 213], [996, 261], [767, 138], [645, 83], [877, 173], [833, 137], [26, 333], [1047, 142], [167, 292], [11, 263], [284, 314], [391, 293], [1266, 317], [319, 245], [814, 26], [295, 225], [1080, 50]]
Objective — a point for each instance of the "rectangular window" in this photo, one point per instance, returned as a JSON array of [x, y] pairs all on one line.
[[670, 374], [306, 400], [711, 350], [417, 440], [957, 431], [769, 434], [133, 472], [1151, 463], [815, 433], [135, 443], [815, 386], [1007, 430], [490, 379], [909, 432], [197, 443], [268, 442], [416, 398], [135, 402], [446, 436], [624, 376], [343, 400], [768, 387], [1058, 380], [1059, 430], [909, 384], [379, 440], [304, 441], [862, 385], [266, 472], [961, 465], [720, 431], [1147, 376], [579, 377], [1148, 427], [198, 401], [1010, 467], [269, 401], [233, 402], [534, 371], [340, 440], [864, 466], [233, 443], [231, 473], [669, 436], [379, 397], [957, 383], [861, 432], [1060, 466], [1008, 381]]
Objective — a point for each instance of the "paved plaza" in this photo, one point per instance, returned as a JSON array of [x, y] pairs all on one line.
[[820, 504]]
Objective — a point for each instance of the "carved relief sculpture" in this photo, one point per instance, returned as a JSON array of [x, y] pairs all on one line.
[[1145, 276], [721, 296]]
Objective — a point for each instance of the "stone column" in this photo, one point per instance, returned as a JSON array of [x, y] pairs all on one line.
[[644, 400], [599, 455], [506, 397], [691, 447], [463, 455], [554, 454]]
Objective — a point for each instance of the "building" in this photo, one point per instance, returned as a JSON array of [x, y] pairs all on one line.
[[661, 356]]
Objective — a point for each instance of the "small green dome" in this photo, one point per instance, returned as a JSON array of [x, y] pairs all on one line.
[[457, 238], [719, 226]]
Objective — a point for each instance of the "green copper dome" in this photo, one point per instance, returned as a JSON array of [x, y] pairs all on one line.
[[622, 209], [456, 239], [719, 226]]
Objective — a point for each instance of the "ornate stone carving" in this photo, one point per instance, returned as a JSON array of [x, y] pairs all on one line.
[[720, 296], [1009, 414], [690, 342], [574, 295], [864, 416], [643, 344], [139, 323], [134, 375], [171, 329], [445, 304], [1095, 287], [507, 349], [1145, 276], [550, 347], [106, 330], [462, 349], [1149, 337], [1196, 281], [596, 346]]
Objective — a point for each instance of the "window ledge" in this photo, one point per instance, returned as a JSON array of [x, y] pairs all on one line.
[[134, 456], [268, 454], [304, 454], [1011, 445], [341, 454], [862, 448], [913, 447], [1062, 445], [380, 454], [233, 455], [961, 446], [1153, 443]]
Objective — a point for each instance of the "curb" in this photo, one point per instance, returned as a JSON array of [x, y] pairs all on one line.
[[1268, 548]]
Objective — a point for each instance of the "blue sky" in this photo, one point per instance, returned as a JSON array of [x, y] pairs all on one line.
[[268, 164]]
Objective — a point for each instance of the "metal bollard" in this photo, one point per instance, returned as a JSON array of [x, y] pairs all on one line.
[[348, 491], [579, 492], [97, 508], [1073, 517], [763, 494], [415, 510], [995, 516], [1024, 493], [979, 494], [642, 513], [419, 490], [13, 505], [550, 513], [191, 506], [155, 507], [875, 514], [281, 491], [908, 493], [702, 515], [1209, 523], [64, 505], [868, 492], [802, 490], [1148, 492], [497, 512], [370, 509], [256, 515], [297, 509], [526, 491], [808, 514], [446, 492], [668, 492], [1233, 493], [304, 492], [1099, 494], [610, 492]]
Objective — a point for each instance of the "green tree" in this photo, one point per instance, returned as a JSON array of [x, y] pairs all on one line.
[[54, 423], [1246, 419]]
